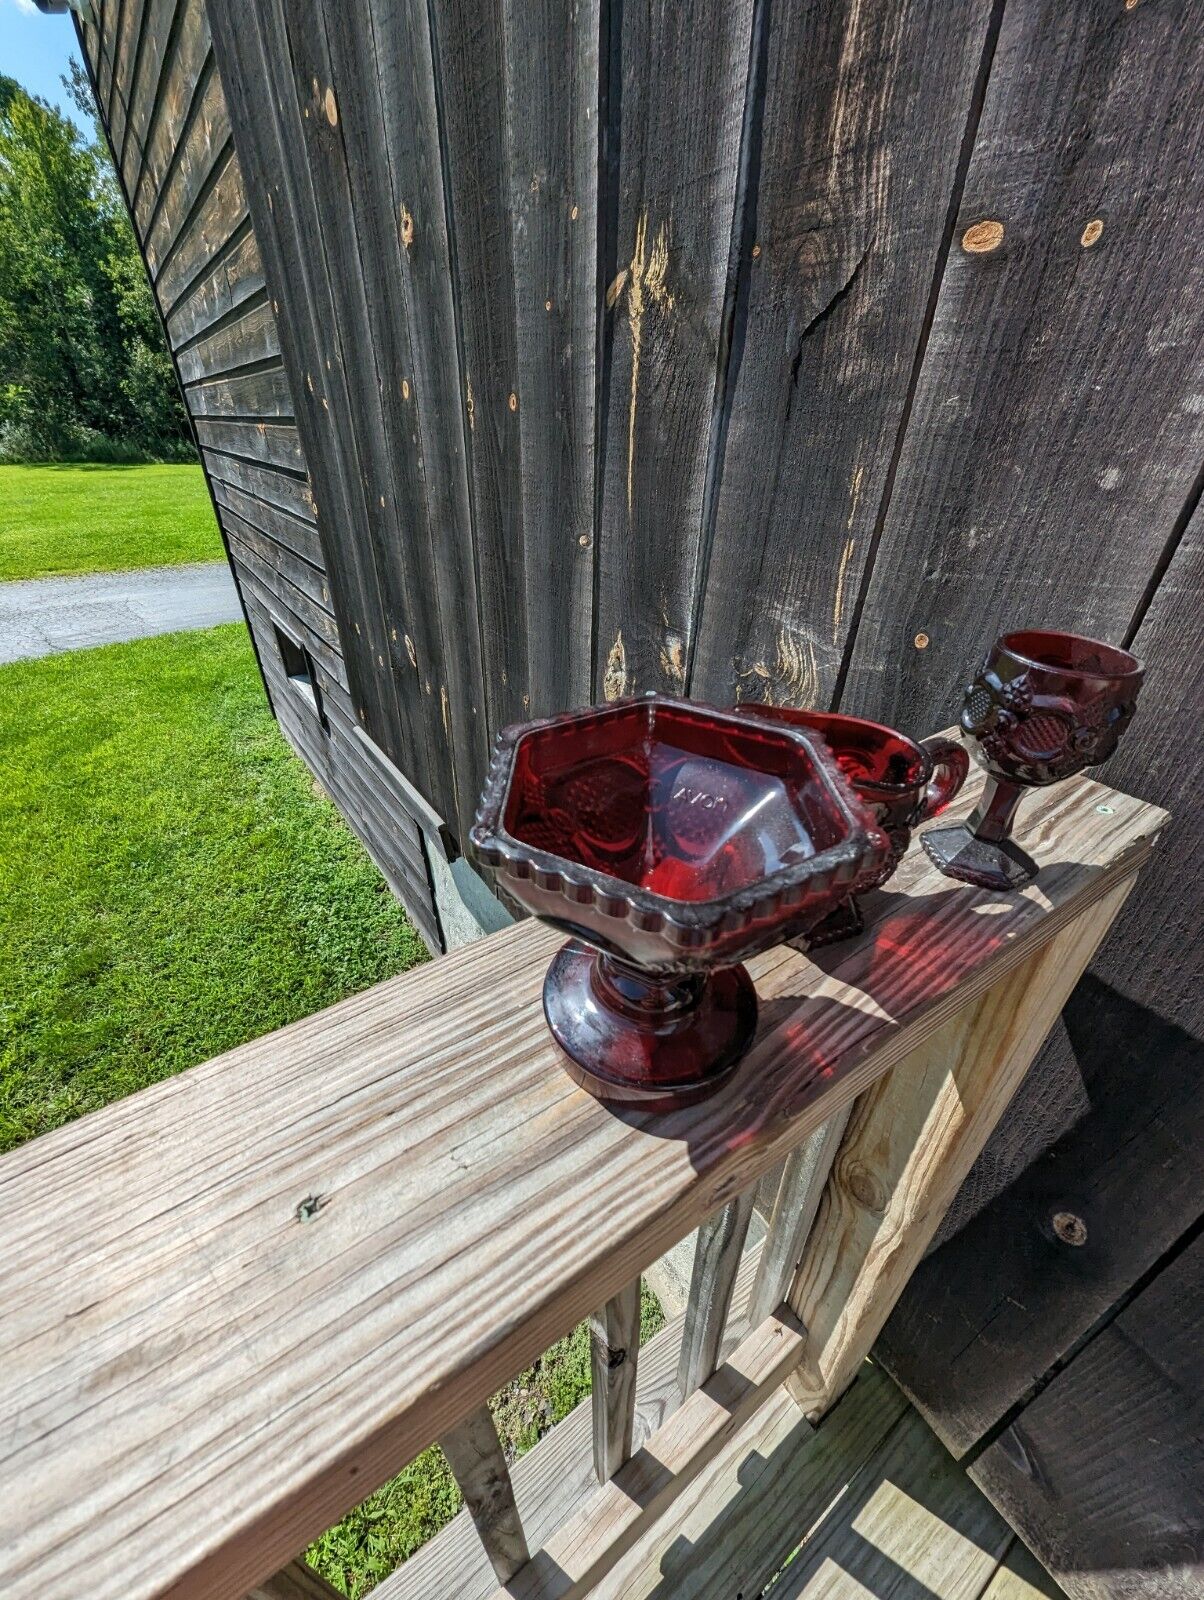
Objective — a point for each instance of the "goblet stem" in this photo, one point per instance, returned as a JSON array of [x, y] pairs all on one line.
[[993, 816], [981, 850]]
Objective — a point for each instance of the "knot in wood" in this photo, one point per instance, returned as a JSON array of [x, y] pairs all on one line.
[[615, 1358], [983, 237], [1070, 1228], [865, 1186], [309, 1207]]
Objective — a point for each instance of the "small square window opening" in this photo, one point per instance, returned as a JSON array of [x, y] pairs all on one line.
[[300, 670]]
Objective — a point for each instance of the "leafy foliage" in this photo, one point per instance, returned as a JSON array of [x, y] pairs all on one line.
[[82, 359]]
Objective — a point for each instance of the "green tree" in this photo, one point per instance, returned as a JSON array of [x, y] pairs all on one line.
[[82, 358]]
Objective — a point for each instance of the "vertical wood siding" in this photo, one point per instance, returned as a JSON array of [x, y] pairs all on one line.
[[757, 350]]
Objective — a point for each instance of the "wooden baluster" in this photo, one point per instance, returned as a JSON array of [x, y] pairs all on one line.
[[716, 1261], [614, 1334], [910, 1142], [794, 1208], [297, 1581], [474, 1453]]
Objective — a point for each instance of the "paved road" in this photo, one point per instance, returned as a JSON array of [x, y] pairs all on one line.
[[44, 616]]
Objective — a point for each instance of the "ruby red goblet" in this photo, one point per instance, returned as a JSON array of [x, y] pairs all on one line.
[[671, 841], [1042, 707], [902, 782]]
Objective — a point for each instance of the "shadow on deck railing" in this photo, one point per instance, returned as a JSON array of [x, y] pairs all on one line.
[[240, 1300]]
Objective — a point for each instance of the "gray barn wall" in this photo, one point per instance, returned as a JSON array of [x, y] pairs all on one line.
[[754, 350]]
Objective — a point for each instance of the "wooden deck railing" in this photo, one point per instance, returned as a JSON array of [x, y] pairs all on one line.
[[239, 1301]]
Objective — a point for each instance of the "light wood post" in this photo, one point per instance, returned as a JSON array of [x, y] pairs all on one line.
[[614, 1354], [794, 1208], [909, 1144], [474, 1453], [716, 1262]]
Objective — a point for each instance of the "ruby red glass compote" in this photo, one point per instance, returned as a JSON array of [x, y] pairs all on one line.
[[671, 841]]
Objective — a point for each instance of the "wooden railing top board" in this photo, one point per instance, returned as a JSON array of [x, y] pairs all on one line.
[[236, 1302]]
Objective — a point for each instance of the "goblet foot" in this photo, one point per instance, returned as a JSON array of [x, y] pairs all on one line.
[[639, 1041], [998, 864], [844, 923]]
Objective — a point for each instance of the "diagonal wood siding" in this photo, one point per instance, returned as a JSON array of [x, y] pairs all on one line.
[[183, 182]]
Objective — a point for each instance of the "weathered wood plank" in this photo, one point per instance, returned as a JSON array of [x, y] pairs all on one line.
[[910, 1524], [254, 56], [318, 619], [363, 1225], [864, 113], [794, 1209], [614, 1361], [1103, 1473], [249, 481], [277, 444], [620, 1512], [127, 38], [204, 146], [276, 600], [156, 30], [334, 695], [677, 97], [220, 209], [248, 336], [518, 86], [717, 1253], [110, 22], [1055, 434], [1021, 1577], [910, 1143], [391, 841], [186, 59], [294, 533], [301, 574], [260, 392], [433, 591], [402, 863], [234, 275], [552, 1480], [999, 1304], [765, 1493], [1004, 1299], [475, 1453]]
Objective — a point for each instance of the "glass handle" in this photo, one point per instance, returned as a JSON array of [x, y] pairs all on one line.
[[950, 768]]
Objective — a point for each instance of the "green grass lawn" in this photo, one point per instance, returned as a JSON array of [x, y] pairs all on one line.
[[172, 885], [103, 519]]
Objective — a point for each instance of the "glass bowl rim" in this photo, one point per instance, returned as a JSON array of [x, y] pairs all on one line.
[[864, 846], [1136, 669], [879, 786]]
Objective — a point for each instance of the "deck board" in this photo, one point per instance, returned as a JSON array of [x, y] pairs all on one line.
[[1104, 1471], [238, 1301]]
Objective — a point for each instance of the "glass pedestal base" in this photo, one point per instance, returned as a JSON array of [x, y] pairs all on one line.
[[646, 1042], [998, 864]]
